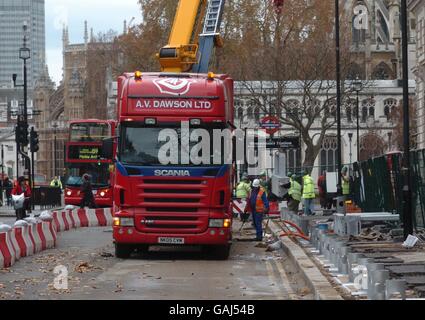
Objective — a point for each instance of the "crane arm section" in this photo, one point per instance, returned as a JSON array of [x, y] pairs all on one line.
[[181, 52]]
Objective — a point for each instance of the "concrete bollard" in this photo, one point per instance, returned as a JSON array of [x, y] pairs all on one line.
[[337, 252], [371, 267], [353, 258], [361, 268], [343, 262], [379, 279], [395, 286]]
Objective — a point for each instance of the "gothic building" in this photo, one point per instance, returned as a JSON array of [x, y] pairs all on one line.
[[418, 9], [70, 101], [376, 39]]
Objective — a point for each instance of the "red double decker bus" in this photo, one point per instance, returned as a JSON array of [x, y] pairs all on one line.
[[83, 155]]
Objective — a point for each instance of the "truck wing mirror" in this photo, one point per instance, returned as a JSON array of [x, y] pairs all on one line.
[[107, 148]]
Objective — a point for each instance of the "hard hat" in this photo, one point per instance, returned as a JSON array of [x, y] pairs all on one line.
[[256, 183], [263, 174]]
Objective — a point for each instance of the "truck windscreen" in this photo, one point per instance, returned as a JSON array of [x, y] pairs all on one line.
[[142, 145]]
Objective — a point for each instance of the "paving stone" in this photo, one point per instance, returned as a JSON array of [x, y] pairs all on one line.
[[408, 269], [416, 281]]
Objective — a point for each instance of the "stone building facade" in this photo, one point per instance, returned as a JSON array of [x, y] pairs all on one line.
[[377, 105], [417, 7], [376, 39], [78, 97]]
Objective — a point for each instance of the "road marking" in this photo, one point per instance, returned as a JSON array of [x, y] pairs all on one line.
[[272, 278], [285, 281]]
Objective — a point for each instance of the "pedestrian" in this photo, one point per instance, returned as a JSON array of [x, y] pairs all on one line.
[[308, 194], [321, 185], [22, 187], [345, 177], [259, 205], [8, 186], [295, 193], [56, 183], [243, 188], [87, 191]]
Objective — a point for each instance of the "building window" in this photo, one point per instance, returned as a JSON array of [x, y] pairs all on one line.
[[257, 114], [249, 113], [368, 110], [291, 108], [349, 115], [390, 108], [294, 160], [382, 72], [328, 154], [239, 114]]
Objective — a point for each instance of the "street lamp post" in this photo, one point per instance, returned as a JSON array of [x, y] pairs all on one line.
[[2, 174], [357, 86], [350, 137], [55, 126], [24, 54], [338, 97], [407, 185]]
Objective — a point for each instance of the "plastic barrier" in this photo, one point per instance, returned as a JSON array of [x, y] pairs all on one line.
[[15, 244], [7, 252], [31, 235]]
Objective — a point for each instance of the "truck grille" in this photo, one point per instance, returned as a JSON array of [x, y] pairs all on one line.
[[173, 205]]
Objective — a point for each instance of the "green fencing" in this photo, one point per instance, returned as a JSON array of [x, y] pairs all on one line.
[[377, 185]]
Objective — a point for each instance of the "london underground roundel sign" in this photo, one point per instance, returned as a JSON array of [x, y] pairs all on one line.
[[270, 124]]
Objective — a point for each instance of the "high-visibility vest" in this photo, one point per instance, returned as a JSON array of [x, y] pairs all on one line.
[[345, 185], [308, 188], [296, 190], [291, 188], [259, 204], [243, 189]]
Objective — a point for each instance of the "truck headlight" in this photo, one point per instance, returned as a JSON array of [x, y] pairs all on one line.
[[216, 223], [220, 223], [123, 222]]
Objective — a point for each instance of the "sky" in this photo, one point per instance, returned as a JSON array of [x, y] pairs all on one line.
[[101, 15]]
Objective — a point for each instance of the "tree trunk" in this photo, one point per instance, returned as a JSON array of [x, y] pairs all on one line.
[[311, 153]]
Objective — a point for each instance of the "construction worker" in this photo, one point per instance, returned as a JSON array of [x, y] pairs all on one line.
[[345, 177], [244, 187], [265, 183], [56, 183], [258, 205], [308, 194], [295, 192]]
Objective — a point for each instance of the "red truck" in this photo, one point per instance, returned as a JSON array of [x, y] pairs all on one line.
[[174, 204]]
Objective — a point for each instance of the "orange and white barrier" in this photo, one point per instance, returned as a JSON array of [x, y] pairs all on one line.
[[80, 218], [7, 251], [34, 235], [238, 206]]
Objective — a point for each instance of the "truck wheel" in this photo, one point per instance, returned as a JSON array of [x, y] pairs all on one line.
[[219, 252], [123, 251]]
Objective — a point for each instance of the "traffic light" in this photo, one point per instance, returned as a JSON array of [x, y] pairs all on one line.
[[34, 141], [21, 131]]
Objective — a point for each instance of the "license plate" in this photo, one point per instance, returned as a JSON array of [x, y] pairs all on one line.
[[163, 240]]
